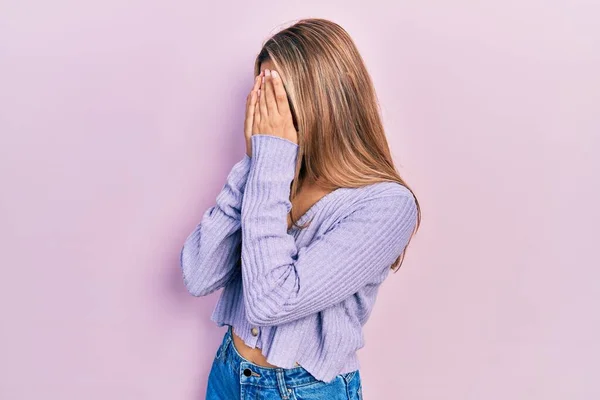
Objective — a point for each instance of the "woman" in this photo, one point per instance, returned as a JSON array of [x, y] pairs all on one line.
[[307, 226]]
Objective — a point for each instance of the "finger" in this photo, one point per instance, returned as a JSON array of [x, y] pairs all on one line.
[[262, 99], [256, 121], [250, 112], [256, 86], [283, 105], [270, 94], [250, 101], [257, 79]]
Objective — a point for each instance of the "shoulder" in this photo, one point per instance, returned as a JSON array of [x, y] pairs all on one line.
[[393, 193], [393, 202], [386, 188], [384, 210], [383, 200]]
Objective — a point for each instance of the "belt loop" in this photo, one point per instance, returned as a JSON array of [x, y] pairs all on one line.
[[283, 390], [348, 376]]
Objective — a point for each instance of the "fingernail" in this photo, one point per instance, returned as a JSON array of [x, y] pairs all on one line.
[[263, 79], [267, 72], [275, 74], [258, 92]]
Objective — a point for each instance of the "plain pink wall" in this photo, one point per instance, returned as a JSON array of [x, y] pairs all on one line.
[[120, 120]]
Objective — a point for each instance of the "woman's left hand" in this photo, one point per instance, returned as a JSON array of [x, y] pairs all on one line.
[[272, 114]]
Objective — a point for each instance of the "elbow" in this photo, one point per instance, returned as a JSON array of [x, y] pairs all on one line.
[[260, 314], [193, 288], [260, 319], [192, 282], [269, 302]]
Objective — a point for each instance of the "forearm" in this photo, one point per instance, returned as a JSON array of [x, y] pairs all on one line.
[[267, 249], [211, 253]]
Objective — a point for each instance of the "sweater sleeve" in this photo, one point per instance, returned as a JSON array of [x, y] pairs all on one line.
[[211, 253], [282, 282]]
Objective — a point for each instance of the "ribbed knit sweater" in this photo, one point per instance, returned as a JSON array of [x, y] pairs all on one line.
[[300, 295]]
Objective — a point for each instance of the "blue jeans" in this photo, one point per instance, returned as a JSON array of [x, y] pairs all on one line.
[[232, 377]]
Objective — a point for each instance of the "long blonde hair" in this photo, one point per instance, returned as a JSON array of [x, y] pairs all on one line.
[[341, 138]]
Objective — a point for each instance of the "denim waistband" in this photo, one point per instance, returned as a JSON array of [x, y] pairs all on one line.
[[250, 373]]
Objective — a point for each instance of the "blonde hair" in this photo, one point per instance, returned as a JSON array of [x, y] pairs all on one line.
[[341, 138]]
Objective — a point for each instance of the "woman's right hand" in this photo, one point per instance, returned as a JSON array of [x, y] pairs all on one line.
[[250, 103]]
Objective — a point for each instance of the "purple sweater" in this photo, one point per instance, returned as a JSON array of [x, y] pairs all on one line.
[[301, 295]]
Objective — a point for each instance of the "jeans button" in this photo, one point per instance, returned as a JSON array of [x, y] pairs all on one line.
[[254, 331], [247, 372]]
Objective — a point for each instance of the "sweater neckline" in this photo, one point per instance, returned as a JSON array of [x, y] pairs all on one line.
[[316, 206]]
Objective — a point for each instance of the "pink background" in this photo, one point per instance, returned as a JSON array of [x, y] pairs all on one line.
[[120, 120]]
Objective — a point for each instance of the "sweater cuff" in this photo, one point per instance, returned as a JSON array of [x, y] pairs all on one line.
[[239, 172], [274, 156]]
